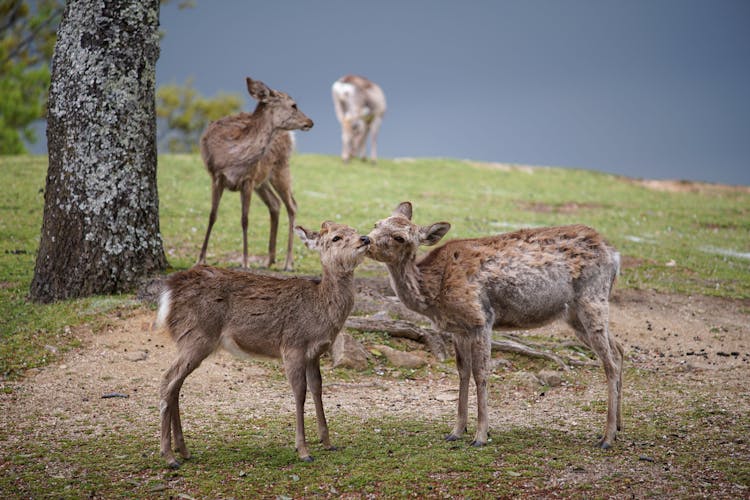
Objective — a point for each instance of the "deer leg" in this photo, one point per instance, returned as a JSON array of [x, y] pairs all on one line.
[[246, 192], [374, 129], [187, 360], [590, 320], [274, 207], [315, 382], [281, 180], [296, 373], [617, 348], [361, 144], [480, 361], [462, 345], [347, 140], [217, 189]]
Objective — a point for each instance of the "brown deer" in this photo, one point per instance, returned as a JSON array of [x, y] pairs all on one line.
[[360, 106], [295, 319], [233, 150], [521, 279]]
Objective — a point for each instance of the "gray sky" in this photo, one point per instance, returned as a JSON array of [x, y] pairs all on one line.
[[644, 88]]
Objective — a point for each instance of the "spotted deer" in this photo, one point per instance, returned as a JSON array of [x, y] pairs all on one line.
[[250, 152], [295, 319], [521, 279], [359, 105]]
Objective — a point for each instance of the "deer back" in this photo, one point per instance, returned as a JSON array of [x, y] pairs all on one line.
[[523, 278], [247, 312]]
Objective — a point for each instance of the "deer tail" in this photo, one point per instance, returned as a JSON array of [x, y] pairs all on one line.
[[165, 306]]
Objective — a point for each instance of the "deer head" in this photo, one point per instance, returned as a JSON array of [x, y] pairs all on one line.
[[397, 238], [341, 248], [282, 107]]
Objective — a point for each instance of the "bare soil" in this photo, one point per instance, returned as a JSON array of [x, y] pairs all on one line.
[[687, 343]]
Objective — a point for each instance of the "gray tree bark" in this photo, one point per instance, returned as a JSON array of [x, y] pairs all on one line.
[[100, 232]]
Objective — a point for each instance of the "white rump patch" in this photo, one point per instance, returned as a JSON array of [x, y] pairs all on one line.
[[618, 261], [165, 305], [344, 89]]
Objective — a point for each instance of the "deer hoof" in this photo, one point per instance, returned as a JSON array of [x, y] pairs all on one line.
[[308, 458], [451, 437], [478, 444], [173, 464]]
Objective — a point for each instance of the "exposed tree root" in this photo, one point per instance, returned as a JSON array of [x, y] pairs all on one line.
[[437, 342]]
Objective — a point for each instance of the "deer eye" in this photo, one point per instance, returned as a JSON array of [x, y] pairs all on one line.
[[399, 239], [294, 106], [336, 238]]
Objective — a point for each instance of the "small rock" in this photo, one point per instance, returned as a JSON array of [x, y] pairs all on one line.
[[111, 395], [136, 356], [644, 458], [526, 380], [550, 378], [401, 359], [447, 396], [380, 315], [347, 352], [500, 364]]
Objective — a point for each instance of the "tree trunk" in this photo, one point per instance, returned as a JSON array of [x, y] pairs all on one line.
[[100, 232]]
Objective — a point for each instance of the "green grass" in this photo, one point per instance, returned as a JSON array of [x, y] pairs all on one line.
[[683, 448], [672, 242], [676, 240]]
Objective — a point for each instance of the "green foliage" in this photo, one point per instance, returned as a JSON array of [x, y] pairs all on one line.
[[27, 38], [183, 114]]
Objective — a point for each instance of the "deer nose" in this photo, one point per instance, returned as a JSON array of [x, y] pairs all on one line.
[[365, 240], [308, 125]]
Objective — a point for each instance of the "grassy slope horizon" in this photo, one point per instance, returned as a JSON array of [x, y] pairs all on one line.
[[677, 242]]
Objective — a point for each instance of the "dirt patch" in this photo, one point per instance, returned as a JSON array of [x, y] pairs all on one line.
[[561, 208], [665, 332], [680, 186]]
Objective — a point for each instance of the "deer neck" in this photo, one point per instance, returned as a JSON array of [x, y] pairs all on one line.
[[337, 292], [406, 281], [261, 130]]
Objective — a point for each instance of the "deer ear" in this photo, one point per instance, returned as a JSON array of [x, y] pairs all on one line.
[[403, 209], [258, 90], [429, 235], [326, 225], [309, 238]]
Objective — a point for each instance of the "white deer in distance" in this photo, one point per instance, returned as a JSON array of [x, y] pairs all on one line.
[[360, 106]]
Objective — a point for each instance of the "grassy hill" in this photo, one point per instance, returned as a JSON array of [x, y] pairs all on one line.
[[689, 239]]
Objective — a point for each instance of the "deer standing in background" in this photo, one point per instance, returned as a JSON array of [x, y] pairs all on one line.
[[360, 106], [521, 279], [295, 319], [250, 152]]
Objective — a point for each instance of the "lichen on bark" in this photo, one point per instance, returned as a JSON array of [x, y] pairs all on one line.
[[100, 232]]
